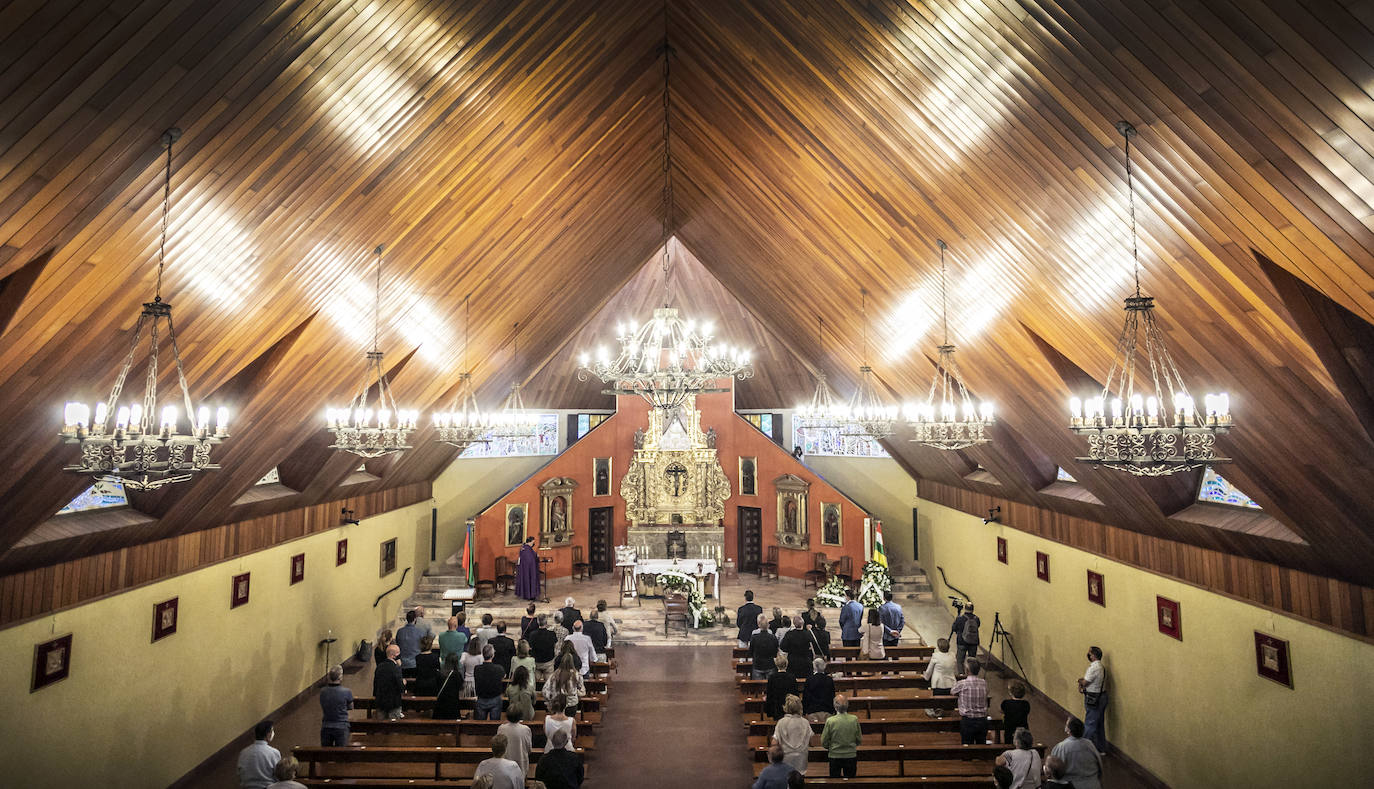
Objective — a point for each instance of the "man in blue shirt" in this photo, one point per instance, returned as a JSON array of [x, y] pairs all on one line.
[[890, 614], [851, 619], [408, 639]]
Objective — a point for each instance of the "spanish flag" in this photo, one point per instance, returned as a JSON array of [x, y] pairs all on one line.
[[879, 555]]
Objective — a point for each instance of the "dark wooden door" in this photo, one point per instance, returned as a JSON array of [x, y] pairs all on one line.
[[599, 539], [750, 539]]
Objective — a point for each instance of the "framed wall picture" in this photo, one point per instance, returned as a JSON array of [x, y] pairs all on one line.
[[238, 590], [832, 524], [601, 476], [791, 511], [516, 517], [748, 476], [1097, 592], [164, 618], [1170, 618], [388, 562], [297, 568], [556, 510], [1002, 550], [52, 661], [1271, 659], [341, 552], [1042, 566]]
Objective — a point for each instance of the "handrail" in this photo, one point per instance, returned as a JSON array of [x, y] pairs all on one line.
[[392, 589], [961, 592]]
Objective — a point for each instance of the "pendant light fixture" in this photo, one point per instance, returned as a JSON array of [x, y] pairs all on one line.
[[463, 423], [869, 413], [139, 455], [515, 420], [822, 412]]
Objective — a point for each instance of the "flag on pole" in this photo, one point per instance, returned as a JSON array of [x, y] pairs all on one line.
[[879, 555], [470, 555]]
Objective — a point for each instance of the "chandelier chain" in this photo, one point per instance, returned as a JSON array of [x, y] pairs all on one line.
[[181, 376], [377, 301], [150, 385], [667, 165], [1128, 131], [168, 138], [944, 292], [863, 301]]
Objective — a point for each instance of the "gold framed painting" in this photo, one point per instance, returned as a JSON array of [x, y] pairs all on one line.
[[832, 523], [517, 519]]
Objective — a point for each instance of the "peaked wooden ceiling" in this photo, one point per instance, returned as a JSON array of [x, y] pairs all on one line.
[[507, 151]]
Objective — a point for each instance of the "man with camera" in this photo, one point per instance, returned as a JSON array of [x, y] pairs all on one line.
[[964, 633]]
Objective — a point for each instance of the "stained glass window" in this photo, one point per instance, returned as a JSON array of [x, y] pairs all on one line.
[[585, 422], [105, 493], [1217, 490], [269, 478], [764, 422], [1064, 476], [833, 441], [543, 440]]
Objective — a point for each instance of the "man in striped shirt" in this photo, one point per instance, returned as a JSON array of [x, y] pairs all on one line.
[[972, 693]]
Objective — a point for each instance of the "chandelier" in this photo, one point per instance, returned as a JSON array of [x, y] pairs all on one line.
[[140, 456], [355, 429], [822, 412], [952, 421], [1128, 426], [514, 420], [869, 415], [666, 359], [463, 423]]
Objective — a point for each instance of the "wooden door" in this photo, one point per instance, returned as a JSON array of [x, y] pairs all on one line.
[[599, 539], [750, 539]]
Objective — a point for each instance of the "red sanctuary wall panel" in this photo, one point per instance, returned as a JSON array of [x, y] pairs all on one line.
[[614, 438]]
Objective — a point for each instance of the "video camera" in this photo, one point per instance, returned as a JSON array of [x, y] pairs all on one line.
[[958, 603]]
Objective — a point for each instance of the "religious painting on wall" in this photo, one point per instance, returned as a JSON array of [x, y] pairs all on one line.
[[516, 515], [164, 618], [831, 523], [748, 476], [238, 590], [601, 476], [52, 662], [1042, 566], [1097, 592], [341, 552], [1170, 620], [556, 508], [388, 560], [1271, 659], [791, 512], [1002, 550], [297, 568]]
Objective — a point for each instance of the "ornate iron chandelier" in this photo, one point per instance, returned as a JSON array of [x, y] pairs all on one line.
[[354, 427], [952, 421], [514, 420], [666, 359], [822, 412], [1128, 428], [869, 414], [463, 424], [134, 452]]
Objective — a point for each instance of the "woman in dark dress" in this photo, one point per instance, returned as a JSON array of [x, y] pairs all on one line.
[[379, 651], [426, 669], [781, 684], [818, 697], [449, 705], [529, 622]]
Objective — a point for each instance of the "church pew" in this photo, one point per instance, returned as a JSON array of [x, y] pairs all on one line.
[[599, 686], [899, 651], [901, 754], [755, 687], [394, 762], [855, 666], [416, 731], [755, 704], [883, 781], [386, 783], [425, 704], [885, 726]]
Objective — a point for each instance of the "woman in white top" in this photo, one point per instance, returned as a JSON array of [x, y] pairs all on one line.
[[471, 659], [871, 638], [565, 682], [793, 733], [612, 628], [1023, 762], [558, 718], [940, 673]]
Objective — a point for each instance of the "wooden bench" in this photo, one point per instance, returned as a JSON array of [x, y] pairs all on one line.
[[883, 727], [856, 666], [912, 779], [843, 684], [901, 754], [591, 703], [913, 651], [600, 686], [426, 731], [387, 783], [755, 704], [394, 762]]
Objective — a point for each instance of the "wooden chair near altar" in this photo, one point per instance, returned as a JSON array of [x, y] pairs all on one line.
[[675, 610], [580, 566], [770, 565], [505, 575], [483, 583], [845, 569], [818, 573]]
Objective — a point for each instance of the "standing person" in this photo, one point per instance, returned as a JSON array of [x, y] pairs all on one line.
[[583, 646], [559, 767], [558, 628], [519, 741], [596, 631], [793, 733], [776, 622], [747, 617], [941, 673], [426, 629], [503, 645], [612, 627], [486, 632], [388, 685], [543, 647], [777, 773], [809, 616], [448, 702], [763, 650], [570, 612], [335, 702], [257, 761], [565, 683], [520, 694], [489, 680], [451, 641], [384, 639], [841, 738], [1023, 761], [871, 638], [818, 696], [527, 572], [426, 669], [285, 773], [505, 774], [1015, 712], [1093, 686], [408, 639], [1082, 765], [522, 658], [973, 705], [851, 619], [820, 637], [797, 644], [893, 620], [560, 718], [471, 659], [781, 684], [965, 633], [529, 622]]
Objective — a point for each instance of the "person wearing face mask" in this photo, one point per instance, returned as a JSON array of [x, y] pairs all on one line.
[[1093, 686]]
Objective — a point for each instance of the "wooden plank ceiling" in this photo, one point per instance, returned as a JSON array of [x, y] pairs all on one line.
[[506, 150]]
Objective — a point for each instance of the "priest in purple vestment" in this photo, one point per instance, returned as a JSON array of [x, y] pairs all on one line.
[[527, 571]]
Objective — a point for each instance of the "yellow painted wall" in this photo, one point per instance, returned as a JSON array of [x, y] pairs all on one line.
[[881, 487], [1194, 712], [467, 487], [141, 714]]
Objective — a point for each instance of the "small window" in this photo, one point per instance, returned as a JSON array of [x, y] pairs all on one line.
[[270, 478], [1216, 490], [585, 423], [1064, 476], [845, 440], [388, 557], [542, 440], [105, 493]]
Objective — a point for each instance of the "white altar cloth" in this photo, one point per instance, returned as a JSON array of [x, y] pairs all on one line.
[[696, 568]]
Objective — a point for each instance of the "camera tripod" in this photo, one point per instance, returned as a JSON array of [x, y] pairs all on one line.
[[1000, 633]]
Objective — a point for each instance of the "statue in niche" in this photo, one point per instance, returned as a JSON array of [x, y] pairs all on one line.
[[711, 438], [639, 438], [677, 479], [789, 516]]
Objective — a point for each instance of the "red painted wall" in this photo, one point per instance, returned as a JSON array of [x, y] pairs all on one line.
[[614, 438]]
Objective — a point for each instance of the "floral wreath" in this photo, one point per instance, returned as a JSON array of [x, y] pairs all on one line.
[[874, 582], [696, 601]]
